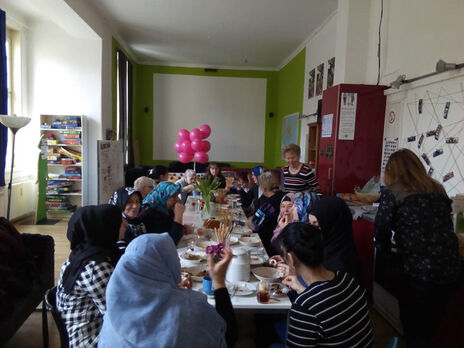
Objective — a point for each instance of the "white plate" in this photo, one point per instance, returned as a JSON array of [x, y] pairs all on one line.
[[250, 241], [243, 289], [242, 230], [266, 273], [194, 271], [233, 240], [201, 256], [256, 260]]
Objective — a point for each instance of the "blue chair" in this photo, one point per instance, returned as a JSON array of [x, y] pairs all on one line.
[[393, 342]]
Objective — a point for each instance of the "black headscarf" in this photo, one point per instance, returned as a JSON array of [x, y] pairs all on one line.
[[336, 222], [120, 198], [93, 232]]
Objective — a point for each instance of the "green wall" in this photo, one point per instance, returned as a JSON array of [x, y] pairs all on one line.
[[289, 100], [284, 95]]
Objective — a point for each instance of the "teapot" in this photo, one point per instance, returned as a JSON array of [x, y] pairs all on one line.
[[239, 268]]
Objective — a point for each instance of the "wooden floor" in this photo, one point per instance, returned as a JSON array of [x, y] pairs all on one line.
[[30, 334]]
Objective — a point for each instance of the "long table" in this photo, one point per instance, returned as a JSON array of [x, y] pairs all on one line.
[[192, 216]]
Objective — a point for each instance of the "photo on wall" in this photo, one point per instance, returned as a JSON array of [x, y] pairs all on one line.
[[330, 72], [311, 81], [319, 79]]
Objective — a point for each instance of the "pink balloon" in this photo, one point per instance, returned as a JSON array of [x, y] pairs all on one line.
[[205, 146], [201, 157], [197, 145], [183, 134], [195, 134], [178, 146], [205, 130], [185, 157], [186, 147]]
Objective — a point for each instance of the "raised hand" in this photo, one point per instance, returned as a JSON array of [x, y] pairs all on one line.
[[293, 283], [218, 271]]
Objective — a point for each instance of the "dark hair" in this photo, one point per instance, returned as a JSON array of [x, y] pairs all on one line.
[[243, 176], [305, 241], [157, 171], [213, 164]]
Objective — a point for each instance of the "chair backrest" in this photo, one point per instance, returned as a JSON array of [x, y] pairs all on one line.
[[50, 302], [393, 342]]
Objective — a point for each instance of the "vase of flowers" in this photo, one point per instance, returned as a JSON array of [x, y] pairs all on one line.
[[206, 187]]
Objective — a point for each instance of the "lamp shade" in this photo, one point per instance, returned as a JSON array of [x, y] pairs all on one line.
[[14, 122]]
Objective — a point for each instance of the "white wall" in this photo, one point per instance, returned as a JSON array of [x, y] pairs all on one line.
[[415, 35], [319, 49], [64, 74]]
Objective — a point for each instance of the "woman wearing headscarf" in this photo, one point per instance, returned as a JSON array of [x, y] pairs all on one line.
[[293, 208], [129, 201], [80, 298], [146, 308], [334, 218], [162, 211]]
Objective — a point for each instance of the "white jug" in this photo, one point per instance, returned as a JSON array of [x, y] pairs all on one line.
[[239, 267]]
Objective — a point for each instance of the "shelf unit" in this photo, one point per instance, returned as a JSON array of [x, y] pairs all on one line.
[[65, 139]]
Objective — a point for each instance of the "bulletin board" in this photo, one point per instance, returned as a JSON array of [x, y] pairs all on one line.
[[110, 168], [429, 121]]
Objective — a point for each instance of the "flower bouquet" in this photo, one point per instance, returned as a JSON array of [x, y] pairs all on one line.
[[215, 251], [206, 187]]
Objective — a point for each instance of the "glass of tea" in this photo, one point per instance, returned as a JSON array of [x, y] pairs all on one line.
[[264, 294]]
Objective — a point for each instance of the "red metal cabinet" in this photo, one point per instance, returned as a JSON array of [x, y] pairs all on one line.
[[344, 164]]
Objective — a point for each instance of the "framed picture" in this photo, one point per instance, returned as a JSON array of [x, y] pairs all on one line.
[[330, 72], [311, 81], [319, 79]]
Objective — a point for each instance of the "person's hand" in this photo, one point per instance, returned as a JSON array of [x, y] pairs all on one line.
[[283, 221], [217, 271], [178, 212], [293, 283], [186, 282], [248, 223], [285, 269]]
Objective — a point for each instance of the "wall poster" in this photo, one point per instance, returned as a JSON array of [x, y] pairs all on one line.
[[110, 168], [390, 145], [311, 81], [290, 129], [330, 72], [347, 116], [326, 130], [319, 79]]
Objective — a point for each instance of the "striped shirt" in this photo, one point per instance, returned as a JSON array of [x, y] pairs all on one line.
[[332, 313], [304, 180]]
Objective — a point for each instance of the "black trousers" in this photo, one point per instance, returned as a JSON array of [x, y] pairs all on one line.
[[421, 305]]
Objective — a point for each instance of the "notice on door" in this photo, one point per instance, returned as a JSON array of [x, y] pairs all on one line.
[[347, 116]]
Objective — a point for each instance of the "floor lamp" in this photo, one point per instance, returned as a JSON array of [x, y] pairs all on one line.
[[14, 123]]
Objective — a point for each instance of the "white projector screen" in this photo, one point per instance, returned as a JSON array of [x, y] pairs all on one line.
[[234, 107]]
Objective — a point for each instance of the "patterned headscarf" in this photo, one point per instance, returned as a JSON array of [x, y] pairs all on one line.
[[303, 202], [160, 194]]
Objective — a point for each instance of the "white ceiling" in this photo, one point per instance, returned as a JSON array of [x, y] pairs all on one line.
[[216, 33], [243, 34]]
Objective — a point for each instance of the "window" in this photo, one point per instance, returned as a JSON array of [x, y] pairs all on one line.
[[13, 65], [124, 105]]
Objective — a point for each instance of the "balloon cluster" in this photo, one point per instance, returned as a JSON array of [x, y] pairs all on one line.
[[192, 146]]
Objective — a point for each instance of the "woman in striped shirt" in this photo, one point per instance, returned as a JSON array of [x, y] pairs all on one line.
[[332, 310], [297, 176]]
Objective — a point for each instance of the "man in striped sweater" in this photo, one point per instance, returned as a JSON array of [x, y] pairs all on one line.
[[331, 310]]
